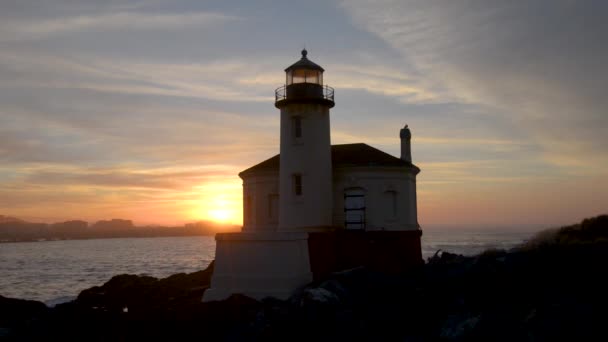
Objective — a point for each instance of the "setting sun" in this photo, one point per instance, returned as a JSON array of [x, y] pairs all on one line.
[[222, 210], [219, 201], [220, 215]]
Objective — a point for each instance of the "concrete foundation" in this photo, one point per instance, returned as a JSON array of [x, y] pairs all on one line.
[[275, 264], [259, 265]]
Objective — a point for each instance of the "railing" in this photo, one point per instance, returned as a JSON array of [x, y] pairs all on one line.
[[281, 92], [328, 93]]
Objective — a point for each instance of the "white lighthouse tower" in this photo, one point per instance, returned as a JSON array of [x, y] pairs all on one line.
[[305, 176]]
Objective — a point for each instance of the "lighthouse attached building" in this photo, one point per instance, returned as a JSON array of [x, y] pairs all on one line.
[[317, 208]]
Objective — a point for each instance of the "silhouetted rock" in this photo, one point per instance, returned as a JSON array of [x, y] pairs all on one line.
[[15, 314], [144, 296], [539, 292], [590, 230]]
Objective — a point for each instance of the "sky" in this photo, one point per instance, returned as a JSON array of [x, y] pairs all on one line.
[[147, 110]]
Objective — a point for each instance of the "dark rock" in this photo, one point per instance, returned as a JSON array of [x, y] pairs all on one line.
[[17, 315], [540, 292], [143, 296], [458, 327], [589, 231], [15, 310]]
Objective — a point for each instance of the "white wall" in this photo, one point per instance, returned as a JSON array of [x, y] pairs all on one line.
[[309, 156], [259, 265], [260, 187], [378, 184]]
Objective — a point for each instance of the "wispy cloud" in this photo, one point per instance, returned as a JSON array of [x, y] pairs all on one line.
[[134, 179], [24, 29], [505, 55], [148, 109], [217, 80]]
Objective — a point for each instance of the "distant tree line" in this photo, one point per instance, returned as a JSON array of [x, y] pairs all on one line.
[[15, 230]]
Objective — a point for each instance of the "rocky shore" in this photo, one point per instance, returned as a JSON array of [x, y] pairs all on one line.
[[555, 287]]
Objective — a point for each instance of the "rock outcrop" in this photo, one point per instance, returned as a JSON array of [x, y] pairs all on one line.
[[554, 290]]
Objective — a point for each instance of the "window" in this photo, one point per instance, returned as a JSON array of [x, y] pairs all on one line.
[[311, 76], [247, 208], [297, 126], [273, 207], [390, 204], [354, 208], [297, 185], [304, 76], [298, 76]]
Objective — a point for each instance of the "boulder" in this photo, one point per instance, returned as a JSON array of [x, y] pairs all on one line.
[[19, 314]]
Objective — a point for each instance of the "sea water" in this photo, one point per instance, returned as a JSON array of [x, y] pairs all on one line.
[[56, 271]]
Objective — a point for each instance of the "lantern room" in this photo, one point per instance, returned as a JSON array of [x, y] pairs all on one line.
[[304, 84], [304, 71]]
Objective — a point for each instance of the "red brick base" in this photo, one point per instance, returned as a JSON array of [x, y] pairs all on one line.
[[383, 251]]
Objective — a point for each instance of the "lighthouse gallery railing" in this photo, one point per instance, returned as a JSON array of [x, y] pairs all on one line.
[[327, 92]]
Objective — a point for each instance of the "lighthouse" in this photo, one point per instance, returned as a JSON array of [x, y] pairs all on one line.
[[317, 208], [305, 172]]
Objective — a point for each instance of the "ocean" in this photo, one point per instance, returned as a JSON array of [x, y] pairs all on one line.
[[56, 271]]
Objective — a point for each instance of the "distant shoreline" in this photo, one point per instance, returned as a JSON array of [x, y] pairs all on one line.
[[105, 237], [15, 230]]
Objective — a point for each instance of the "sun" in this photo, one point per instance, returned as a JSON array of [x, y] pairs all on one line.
[[217, 202], [220, 215], [221, 211]]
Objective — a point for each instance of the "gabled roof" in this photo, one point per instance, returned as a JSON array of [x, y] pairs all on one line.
[[271, 164], [363, 155], [346, 155]]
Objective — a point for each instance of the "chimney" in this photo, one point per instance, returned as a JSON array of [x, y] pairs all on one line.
[[406, 150]]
